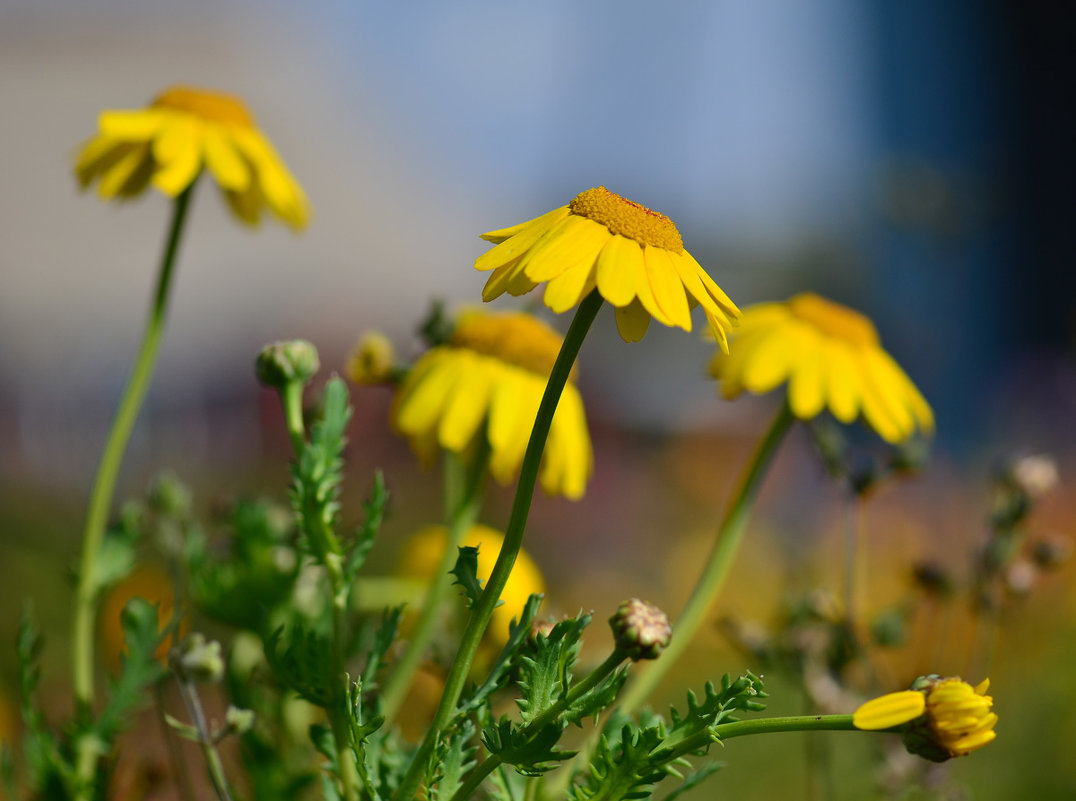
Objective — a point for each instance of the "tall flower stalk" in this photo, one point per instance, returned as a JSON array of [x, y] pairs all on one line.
[[513, 539], [82, 667]]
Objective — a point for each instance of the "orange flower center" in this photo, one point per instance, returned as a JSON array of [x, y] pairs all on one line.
[[833, 319], [518, 339], [214, 106], [627, 218]]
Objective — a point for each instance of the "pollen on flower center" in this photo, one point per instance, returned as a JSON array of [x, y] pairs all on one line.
[[215, 106], [514, 338], [627, 218], [833, 319]]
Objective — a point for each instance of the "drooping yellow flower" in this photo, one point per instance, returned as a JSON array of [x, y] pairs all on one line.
[[831, 357], [171, 140], [632, 255], [422, 554], [488, 381], [951, 718]]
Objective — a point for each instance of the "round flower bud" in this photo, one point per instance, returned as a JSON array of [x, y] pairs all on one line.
[[239, 720], [373, 360], [1034, 475], [640, 629], [283, 363], [198, 659]]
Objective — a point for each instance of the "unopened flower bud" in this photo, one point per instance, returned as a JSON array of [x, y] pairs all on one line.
[[198, 659], [373, 360], [1034, 475], [541, 628], [640, 629], [1020, 577], [239, 720], [283, 363]]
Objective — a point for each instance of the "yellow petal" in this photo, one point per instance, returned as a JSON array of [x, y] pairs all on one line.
[[570, 443], [502, 234], [689, 277], [513, 408], [96, 155], [569, 288], [118, 176], [843, 387], [889, 710], [421, 407], [468, 406], [632, 321], [227, 166], [718, 294], [282, 192], [886, 388], [178, 151], [509, 278], [131, 126], [514, 245], [614, 278], [573, 243], [770, 361], [667, 287], [806, 392]]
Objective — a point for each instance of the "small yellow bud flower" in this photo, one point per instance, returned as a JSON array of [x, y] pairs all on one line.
[[372, 360], [947, 716]]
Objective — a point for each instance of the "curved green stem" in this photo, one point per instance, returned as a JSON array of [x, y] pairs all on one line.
[[462, 502], [591, 681], [742, 728], [513, 539], [82, 665], [717, 567]]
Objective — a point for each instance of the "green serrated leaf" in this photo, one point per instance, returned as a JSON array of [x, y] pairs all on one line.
[[139, 667], [184, 730], [301, 658], [383, 641], [374, 511], [454, 762], [530, 753], [502, 666], [466, 573], [545, 666]]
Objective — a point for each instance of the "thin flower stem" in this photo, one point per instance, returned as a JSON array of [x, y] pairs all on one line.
[[205, 738], [717, 567], [742, 728], [292, 400], [513, 539], [104, 486], [592, 680], [462, 502]]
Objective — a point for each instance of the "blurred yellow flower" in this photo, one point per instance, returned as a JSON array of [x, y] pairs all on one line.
[[488, 380], [171, 140], [634, 256], [422, 554], [831, 357], [956, 716], [372, 360], [145, 581]]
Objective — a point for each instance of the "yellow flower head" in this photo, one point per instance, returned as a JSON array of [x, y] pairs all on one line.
[[422, 555], [632, 255], [831, 357], [171, 140], [949, 717], [488, 380]]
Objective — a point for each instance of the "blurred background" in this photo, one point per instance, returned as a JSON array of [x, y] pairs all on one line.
[[913, 160]]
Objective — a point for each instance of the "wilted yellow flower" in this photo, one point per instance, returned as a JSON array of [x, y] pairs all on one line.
[[180, 132], [634, 256], [951, 717], [145, 581], [422, 555], [831, 357], [488, 380]]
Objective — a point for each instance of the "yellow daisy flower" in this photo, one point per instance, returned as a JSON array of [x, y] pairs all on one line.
[[171, 140], [488, 380], [632, 255], [831, 357], [956, 717], [422, 554]]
